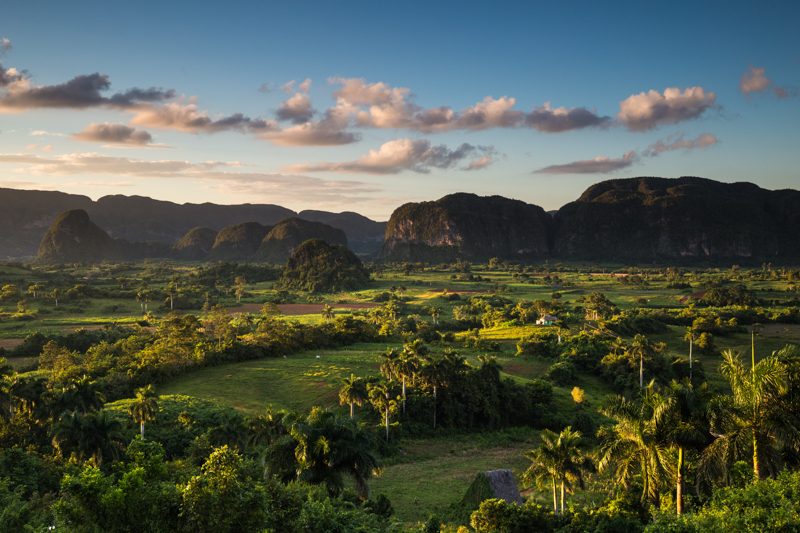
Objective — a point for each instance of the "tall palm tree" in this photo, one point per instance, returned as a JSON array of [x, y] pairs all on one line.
[[353, 392], [634, 445], [383, 399], [744, 422], [687, 428], [559, 460], [144, 407], [544, 465]]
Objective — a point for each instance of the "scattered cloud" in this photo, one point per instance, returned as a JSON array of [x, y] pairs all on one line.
[[755, 80], [645, 111], [550, 120], [598, 165], [668, 145], [80, 92], [297, 109], [114, 134], [187, 117], [480, 163], [5, 45], [265, 88], [400, 155], [379, 105]]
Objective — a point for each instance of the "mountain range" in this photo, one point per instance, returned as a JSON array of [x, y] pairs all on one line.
[[644, 219]]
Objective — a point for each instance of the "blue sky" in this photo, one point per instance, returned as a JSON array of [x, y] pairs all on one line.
[[405, 102]]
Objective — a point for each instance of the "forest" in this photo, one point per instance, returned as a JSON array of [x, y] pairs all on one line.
[[180, 396]]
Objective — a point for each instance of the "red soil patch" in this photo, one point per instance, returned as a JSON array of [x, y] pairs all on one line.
[[10, 344], [300, 309]]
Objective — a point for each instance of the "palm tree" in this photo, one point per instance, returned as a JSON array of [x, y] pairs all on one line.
[[687, 428], [544, 465], [144, 407], [382, 398], [327, 312], [353, 392], [328, 447], [435, 312], [745, 421], [634, 445]]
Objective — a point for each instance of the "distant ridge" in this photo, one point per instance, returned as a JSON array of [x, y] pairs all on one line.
[[26, 215], [645, 219]]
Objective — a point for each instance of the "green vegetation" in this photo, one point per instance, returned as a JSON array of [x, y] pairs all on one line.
[[179, 397]]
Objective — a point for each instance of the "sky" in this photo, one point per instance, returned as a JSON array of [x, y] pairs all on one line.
[[363, 106]]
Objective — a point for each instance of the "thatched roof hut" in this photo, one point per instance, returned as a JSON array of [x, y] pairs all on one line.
[[492, 484]]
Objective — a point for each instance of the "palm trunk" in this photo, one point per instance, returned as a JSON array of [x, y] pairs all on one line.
[[351, 409], [641, 371], [562, 496], [555, 497], [691, 344], [171, 303], [756, 465], [434, 407], [141, 429], [679, 487], [386, 418], [404, 394]]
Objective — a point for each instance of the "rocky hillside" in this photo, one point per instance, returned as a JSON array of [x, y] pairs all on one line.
[[467, 226], [288, 234], [196, 244], [26, 215], [684, 219], [73, 237], [238, 242], [317, 266]]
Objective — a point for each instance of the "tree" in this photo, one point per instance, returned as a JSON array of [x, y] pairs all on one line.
[[222, 498], [745, 421], [642, 349], [170, 289], [384, 401], [239, 286], [144, 407], [328, 448], [435, 311], [34, 289], [560, 459], [55, 294], [635, 444], [327, 312], [353, 392], [686, 428], [143, 297]]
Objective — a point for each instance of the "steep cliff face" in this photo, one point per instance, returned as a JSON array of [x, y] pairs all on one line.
[[238, 242], [288, 234], [73, 237], [690, 219], [467, 226], [196, 244]]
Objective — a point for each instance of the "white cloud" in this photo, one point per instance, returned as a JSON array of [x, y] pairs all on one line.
[[399, 155], [645, 111]]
